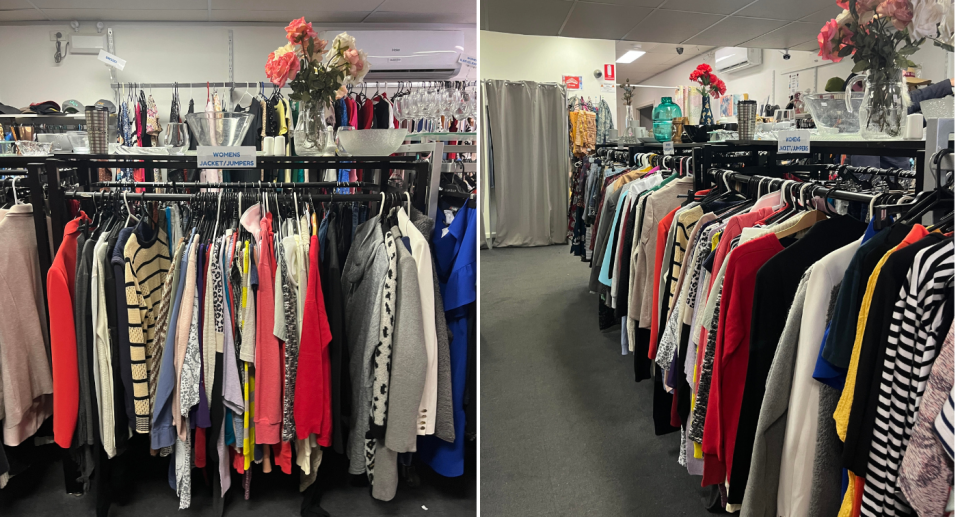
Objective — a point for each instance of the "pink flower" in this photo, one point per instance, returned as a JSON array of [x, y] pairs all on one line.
[[353, 57], [899, 11], [282, 66], [867, 5], [829, 34], [843, 4], [298, 30]]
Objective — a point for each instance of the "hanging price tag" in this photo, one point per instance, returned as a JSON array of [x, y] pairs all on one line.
[[668, 148]]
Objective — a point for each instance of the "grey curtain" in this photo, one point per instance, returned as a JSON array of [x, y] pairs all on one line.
[[528, 133]]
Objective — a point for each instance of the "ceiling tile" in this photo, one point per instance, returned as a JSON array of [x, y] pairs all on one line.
[[713, 6], [531, 17], [152, 15], [171, 5], [11, 5], [429, 6], [21, 15], [812, 46], [602, 21], [672, 26], [823, 15], [627, 3], [786, 36], [295, 5], [735, 30], [779, 10], [280, 16], [392, 17]]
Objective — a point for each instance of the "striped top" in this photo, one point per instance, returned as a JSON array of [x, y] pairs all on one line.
[[943, 425], [909, 353], [146, 263]]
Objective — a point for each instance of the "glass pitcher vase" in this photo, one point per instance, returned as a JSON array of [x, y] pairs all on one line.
[[309, 132], [883, 112]]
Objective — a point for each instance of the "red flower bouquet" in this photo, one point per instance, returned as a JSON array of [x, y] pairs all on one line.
[[709, 83]]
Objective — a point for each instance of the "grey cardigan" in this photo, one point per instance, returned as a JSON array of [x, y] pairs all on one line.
[[407, 376], [760, 497], [362, 280], [443, 428]]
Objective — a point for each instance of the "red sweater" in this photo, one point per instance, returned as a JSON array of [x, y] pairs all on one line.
[[731, 356], [311, 403], [61, 284], [662, 229], [268, 397]]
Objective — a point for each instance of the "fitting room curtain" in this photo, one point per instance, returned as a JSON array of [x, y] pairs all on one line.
[[528, 133]]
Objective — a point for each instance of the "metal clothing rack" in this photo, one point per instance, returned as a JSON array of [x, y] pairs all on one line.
[[774, 183], [245, 185]]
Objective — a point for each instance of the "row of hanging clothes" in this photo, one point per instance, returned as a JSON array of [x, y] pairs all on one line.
[[241, 331], [590, 124], [799, 334]]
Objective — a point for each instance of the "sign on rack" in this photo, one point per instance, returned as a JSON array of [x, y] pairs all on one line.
[[668, 148], [796, 142], [573, 82], [111, 59], [226, 157]]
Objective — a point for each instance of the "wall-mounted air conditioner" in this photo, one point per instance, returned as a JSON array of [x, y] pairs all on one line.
[[410, 55], [732, 59]]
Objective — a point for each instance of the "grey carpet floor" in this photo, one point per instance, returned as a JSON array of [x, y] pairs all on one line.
[[564, 429]]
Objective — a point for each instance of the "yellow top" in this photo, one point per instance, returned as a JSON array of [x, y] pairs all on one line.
[[842, 414]]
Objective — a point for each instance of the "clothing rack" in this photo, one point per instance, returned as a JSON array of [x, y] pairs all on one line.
[[246, 185], [775, 183], [155, 196]]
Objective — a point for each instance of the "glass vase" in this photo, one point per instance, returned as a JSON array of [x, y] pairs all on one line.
[[883, 112], [706, 113], [309, 135], [663, 116]]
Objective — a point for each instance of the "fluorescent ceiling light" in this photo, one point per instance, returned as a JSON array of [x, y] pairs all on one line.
[[630, 56]]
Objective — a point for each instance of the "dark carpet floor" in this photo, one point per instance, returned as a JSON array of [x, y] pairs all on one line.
[[38, 491], [564, 429]]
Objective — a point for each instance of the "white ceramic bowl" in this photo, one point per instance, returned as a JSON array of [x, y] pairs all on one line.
[[372, 142]]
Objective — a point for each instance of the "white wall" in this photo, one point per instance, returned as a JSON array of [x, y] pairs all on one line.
[[155, 52], [545, 59], [770, 79]]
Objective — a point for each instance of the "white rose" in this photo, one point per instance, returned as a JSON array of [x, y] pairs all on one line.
[[926, 15], [946, 28], [344, 41], [845, 19]]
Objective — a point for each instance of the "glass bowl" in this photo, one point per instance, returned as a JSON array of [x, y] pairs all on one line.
[[372, 142], [79, 141], [937, 108], [31, 148], [829, 110], [224, 128]]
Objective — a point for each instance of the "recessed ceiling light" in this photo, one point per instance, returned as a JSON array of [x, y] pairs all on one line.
[[630, 56]]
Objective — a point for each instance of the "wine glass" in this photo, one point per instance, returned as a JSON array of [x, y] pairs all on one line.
[[434, 109], [400, 108], [461, 111], [449, 102]]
